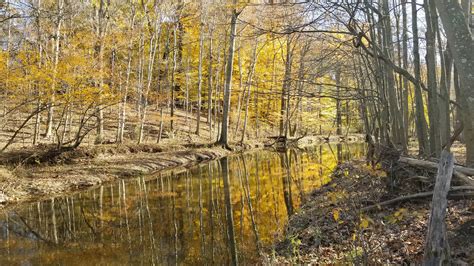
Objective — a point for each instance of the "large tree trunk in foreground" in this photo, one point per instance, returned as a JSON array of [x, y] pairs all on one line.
[[461, 46]]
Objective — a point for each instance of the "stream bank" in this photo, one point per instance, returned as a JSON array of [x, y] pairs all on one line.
[[331, 228], [29, 175]]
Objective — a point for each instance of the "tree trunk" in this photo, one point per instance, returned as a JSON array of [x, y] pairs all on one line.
[[249, 89], [461, 46], [394, 110], [420, 121], [338, 104], [199, 92], [223, 140], [101, 17], [433, 112], [437, 247], [123, 102], [57, 37], [209, 84]]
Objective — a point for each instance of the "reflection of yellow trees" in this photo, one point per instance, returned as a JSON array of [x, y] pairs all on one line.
[[178, 217]]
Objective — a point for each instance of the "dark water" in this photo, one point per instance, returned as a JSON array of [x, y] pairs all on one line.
[[215, 213]]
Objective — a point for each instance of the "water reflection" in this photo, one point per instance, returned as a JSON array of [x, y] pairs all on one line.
[[222, 212]]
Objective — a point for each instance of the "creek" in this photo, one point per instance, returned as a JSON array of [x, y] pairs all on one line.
[[220, 212]]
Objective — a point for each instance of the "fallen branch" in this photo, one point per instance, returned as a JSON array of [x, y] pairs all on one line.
[[422, 195], [460, 172]]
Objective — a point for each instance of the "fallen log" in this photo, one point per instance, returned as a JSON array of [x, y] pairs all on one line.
[[460, 172], [453, 194]]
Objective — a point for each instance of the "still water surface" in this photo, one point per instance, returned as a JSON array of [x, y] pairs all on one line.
[[220, 212]]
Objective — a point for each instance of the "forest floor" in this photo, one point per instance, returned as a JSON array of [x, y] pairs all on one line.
[[331, 228]]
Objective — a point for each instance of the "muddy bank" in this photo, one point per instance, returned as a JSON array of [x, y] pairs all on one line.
[[330, 228], [28, 175]]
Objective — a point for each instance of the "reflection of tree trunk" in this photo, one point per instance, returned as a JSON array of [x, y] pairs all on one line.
[[230, 216], [201, 223], [150, 221], [249, 203], [275, 201], [55, 230], [175, 227], [124, 198], [287, 183], [7, 233], [211, 209], [101, 212]]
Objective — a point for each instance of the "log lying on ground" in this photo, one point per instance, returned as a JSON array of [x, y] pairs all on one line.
[[454, 193], [460, 172]]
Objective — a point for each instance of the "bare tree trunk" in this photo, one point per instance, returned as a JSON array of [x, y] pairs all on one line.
[[338, 103], [37, 125], [285, 93], [394, 110], [209, 84], [241, 93], [223, 140], [199, 107], [406, 86], [161, 126], [437, 247], [420, 121], [461, 46], [123, 103], [101, 30], [153, 47], [57, 37], [433, 112], [249, 88], [444, 85]]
